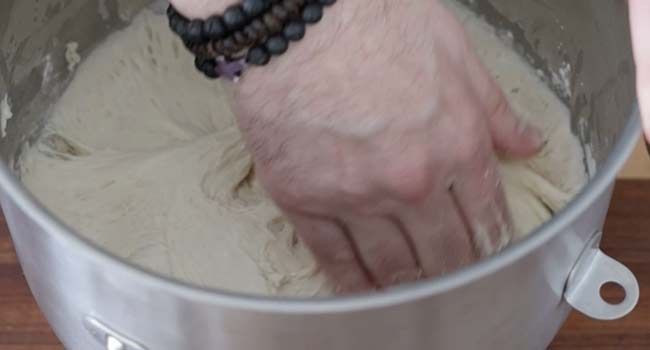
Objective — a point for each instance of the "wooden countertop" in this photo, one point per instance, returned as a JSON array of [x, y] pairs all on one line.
[[627, 238]]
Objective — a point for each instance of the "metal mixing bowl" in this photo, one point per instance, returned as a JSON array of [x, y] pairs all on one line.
[[515, 300]]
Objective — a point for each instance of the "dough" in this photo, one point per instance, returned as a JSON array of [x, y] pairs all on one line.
[[142, 156]]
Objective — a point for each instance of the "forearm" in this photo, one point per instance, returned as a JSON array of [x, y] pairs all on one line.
[[357, 41], [341, 21], [347, 11]]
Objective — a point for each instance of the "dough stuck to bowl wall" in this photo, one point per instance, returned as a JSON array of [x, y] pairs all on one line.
[[142, 156]]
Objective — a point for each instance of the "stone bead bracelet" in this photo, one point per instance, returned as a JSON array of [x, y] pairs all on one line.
[[249, 33]]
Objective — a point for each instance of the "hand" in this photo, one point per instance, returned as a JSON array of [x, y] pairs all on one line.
[[640, 20], [376, 135]]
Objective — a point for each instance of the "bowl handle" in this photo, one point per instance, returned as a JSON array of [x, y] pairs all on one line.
[[593, 270], [110, 339]]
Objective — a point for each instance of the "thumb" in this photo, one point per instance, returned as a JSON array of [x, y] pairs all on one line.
[[511, 135]]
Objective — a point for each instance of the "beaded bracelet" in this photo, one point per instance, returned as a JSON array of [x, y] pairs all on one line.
[[249, 33]]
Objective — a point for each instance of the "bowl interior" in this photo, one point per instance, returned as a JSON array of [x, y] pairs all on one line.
[[581, 47]]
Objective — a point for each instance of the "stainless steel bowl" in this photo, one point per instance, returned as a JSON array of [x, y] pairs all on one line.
[[515, 300]]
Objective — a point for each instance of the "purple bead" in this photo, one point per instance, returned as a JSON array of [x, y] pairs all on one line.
[[230, 70]]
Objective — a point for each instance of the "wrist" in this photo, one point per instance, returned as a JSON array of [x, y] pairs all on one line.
[[340, 60], [201, 9], [349, 33]]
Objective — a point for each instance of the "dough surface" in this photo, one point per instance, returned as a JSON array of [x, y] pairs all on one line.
[[142, 156]]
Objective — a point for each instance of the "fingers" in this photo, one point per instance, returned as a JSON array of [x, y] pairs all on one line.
[[440, 237], [510, 134], [359, 253], [384, 249], [640, 21], [333, 251], [450, 230], [362, 253], [478, 194]]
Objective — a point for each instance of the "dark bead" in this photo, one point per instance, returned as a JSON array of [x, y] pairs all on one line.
[[253, 8], [242, 39], [258, 56], [277, 45], [251, 34], [204, 50], [173, 22], [326, 2], [272, 23], [198, 49], [229, 46], [312, 13], [214, 28], [280, 12], [190, 46], [294, 31], [207, 67], [260, 28], [195, 48], [171, 11], [178, 25], [218, 47], [239, 38], [194, 32], [293, 8], [234, 17]]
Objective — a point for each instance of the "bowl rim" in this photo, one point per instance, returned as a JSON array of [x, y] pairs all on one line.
[[11, 187]]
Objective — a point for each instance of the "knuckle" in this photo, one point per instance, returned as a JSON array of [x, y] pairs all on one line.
[[310, 191], [468, 153], [354, 191], [287, 192], [286, 197], [410, 180], [474, 144], [391, 269]]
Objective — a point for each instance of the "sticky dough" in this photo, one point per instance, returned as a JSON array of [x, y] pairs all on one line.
[[142, 156]]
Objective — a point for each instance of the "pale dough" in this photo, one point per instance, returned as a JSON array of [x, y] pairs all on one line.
[[5, 115], [142, 156]]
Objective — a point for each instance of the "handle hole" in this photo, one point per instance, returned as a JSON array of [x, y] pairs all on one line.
[[613, 293]]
